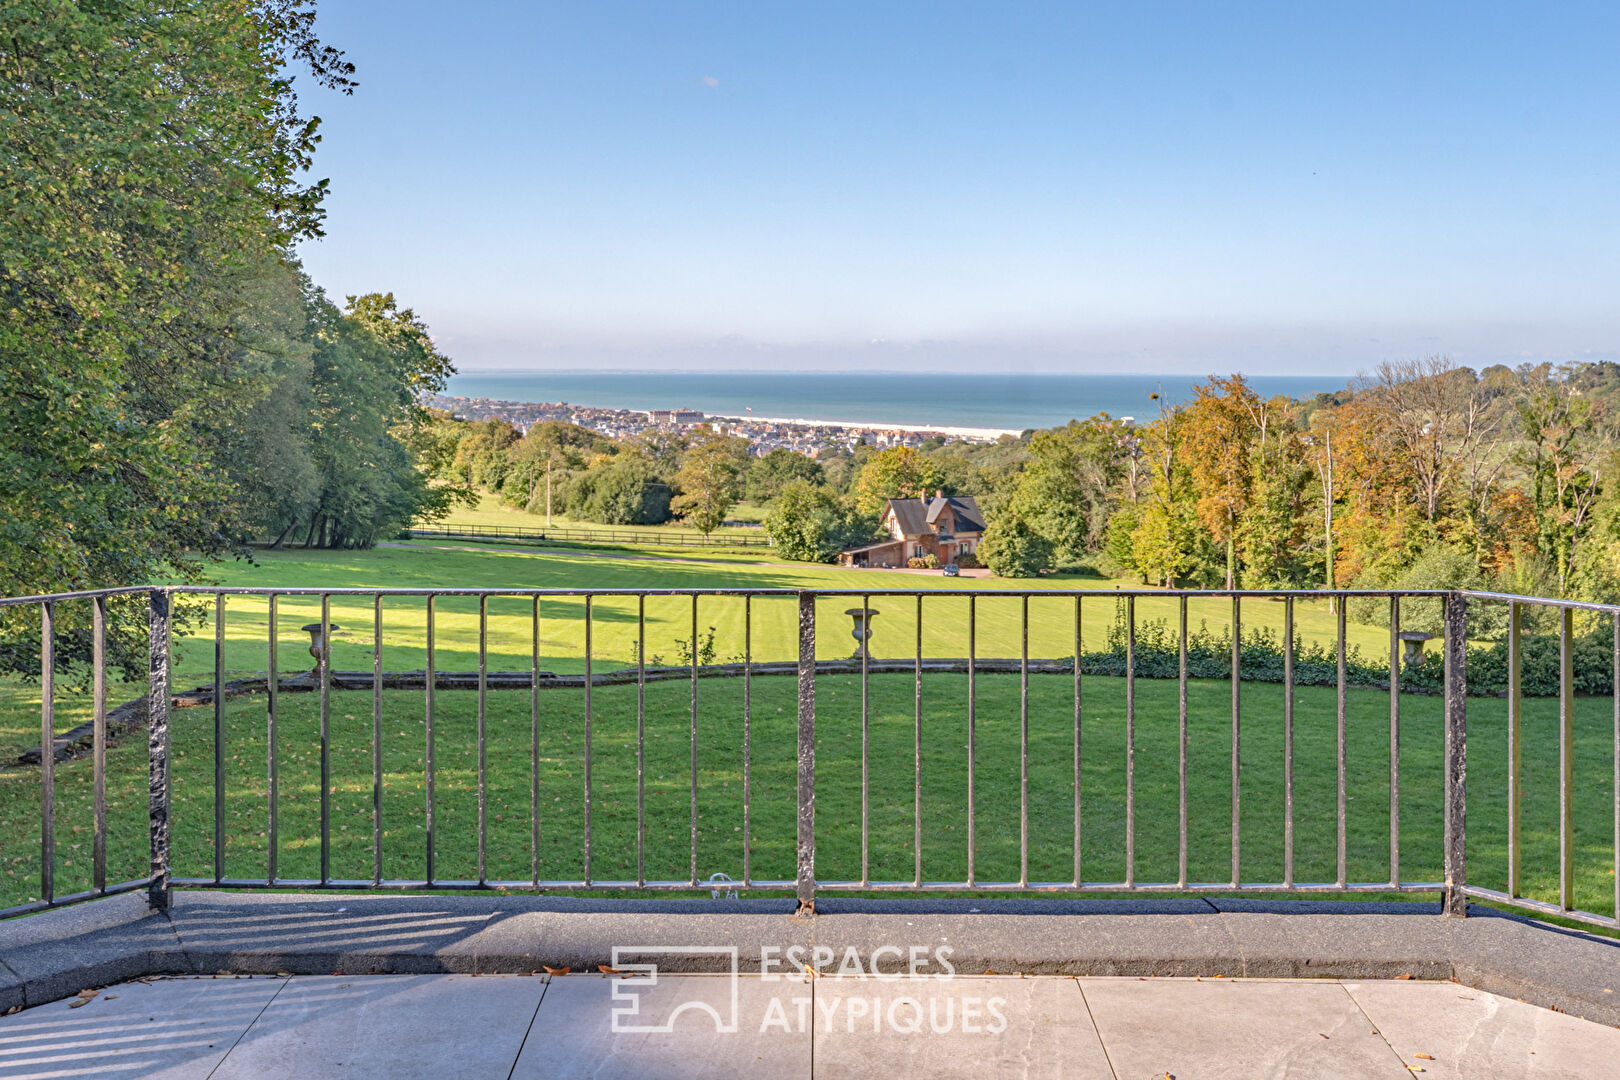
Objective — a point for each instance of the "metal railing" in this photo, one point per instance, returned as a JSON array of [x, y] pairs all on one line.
[[650, 537], [928, 736]]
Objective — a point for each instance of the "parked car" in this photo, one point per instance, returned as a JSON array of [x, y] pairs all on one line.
[[950, 569]]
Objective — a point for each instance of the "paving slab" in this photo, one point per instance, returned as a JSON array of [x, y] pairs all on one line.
[[177, 1029], [1236, 1029], [404, 1027], [678, 1026], [1468, 1033], [966, 1028]]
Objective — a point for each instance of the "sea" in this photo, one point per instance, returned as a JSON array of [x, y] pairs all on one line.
[[997, 402]]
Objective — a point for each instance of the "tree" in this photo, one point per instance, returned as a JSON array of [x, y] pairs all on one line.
[[811, 523], [769, 475], [621, 490], [1568, 445], [1011, 548], [153, 158], [896, 473], [710, 481], [1068, 489], [371, 362], [1220, 433]]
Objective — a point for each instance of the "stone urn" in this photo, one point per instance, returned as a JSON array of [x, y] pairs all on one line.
[[862, 633], [319, 639]]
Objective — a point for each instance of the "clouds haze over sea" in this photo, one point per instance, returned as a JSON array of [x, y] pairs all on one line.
[[1169, 187]]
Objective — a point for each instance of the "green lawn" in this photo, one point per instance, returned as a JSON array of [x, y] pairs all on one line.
[[614, 634], [491, 511], [614, 620], [944, 780]]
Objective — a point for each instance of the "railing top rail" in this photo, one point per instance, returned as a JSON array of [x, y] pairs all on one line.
[[1255, 594], [81, 594], [1543, 601], [351, 590]]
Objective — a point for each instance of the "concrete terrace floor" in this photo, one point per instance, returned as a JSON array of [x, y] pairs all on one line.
[[532, 1027]]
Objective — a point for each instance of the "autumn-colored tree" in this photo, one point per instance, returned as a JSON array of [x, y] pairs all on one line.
[[1221, 434]]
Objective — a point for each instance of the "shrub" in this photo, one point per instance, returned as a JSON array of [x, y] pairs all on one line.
[[1012, 549], [967, 561], [924, 562]]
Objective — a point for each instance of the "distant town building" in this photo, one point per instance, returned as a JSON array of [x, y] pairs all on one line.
[[675, 416], [944, 526]]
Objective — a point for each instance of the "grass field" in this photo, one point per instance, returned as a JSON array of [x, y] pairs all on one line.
[[614, 620], [772, 743], [491, 511], [668, 619]]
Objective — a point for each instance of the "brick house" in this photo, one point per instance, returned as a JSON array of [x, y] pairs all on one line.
[[943, 526]]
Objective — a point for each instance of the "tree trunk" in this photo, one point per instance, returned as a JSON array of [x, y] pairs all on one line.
[[277, 545]]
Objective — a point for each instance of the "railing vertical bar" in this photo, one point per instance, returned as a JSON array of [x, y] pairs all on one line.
[[1343, 805], [916, 749], [641, 740], [1181, 746], [588, 735], [483, 731], [805, 875], [1237, 732], [748, 751], [1079, 651], [1130, 741], [47, 752], [219, 737], [533, 750], [1566, 759], [693, 741], [427, 740], [1288, 742], [1394, 741], [1023, 747], [272, 771], [324, 666], [866, 820], [98, 665], [157, 746], [1614, 680], [1515, 746], [972, 743], [376, 740], [1453, 901]]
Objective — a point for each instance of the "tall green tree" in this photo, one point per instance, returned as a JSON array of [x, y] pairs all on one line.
[[710, 481]]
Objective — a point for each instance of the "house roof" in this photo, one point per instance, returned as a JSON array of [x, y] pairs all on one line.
[[916, 515]]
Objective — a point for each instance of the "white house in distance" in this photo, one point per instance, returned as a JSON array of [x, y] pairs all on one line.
[[945, 526]]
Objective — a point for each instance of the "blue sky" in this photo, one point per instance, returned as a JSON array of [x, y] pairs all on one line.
[[1274, 188]]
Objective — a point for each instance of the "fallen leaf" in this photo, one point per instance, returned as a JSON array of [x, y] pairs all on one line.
[[76, 1002], [13, 1009], [110, 997], [284, 974], [1425, 1057], [1403, 978], [554, 971], [606, 970], [987, 971]]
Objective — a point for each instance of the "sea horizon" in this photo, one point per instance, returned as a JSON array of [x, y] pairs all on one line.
[[981, 402]]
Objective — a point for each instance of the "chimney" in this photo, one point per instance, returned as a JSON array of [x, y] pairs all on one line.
[[939, 493]]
